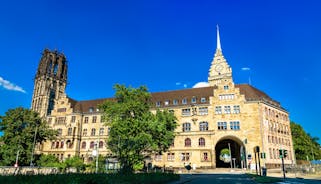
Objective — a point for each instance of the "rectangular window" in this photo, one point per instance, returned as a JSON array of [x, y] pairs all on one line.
[[236, 109], [158, 157], [227, 109], [185, 156], [86, 120], [170, 156], [205, 156], [186, 112], [158, 104], [221, 125], [69, 131], [61, 110], [203, 111], [61, 120], [73, 119], [235, 125], [218, 110], [94, 119], [49, 120], [184, 101], [101, 131]]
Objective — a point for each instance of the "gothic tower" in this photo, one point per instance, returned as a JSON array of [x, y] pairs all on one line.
[[220, 71], [50, 82]]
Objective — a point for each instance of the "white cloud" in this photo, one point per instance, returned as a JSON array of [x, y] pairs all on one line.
[[178, 83], [201, 85], [245, 69], [10, 86]]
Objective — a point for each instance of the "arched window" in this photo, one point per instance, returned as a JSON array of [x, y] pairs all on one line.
[[62, 144], [90, 159], [101, 144], [69, 144], [203, 126], [186, 127], [93, 131], [201, 141], [83, 145], [55, 69], [53, 145], [92, 145], [188, 142], [57, 145]]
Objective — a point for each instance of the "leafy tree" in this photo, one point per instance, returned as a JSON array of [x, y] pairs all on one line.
[[48, 161], [91, 167], [304, 144], [136, 132], [19, 126], [74, 162]]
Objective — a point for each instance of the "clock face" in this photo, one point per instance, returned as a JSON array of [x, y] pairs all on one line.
[[218, 68]]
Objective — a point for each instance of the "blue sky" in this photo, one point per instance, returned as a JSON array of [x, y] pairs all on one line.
[[166, 45]]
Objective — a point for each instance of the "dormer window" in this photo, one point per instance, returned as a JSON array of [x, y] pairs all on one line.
[[175, 102], [193, 100], [184, 101], [91, 109], [203, 99], [166, 102], [158, 104]]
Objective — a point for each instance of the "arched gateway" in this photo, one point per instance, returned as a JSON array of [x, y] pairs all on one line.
[[224, 147]]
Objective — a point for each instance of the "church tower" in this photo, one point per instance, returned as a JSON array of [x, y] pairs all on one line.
[[220, 71], [50, 82]]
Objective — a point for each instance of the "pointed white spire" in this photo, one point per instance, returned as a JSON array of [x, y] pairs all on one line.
[[218, 41]]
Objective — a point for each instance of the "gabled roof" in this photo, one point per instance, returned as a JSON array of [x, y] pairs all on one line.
[[251, 94]]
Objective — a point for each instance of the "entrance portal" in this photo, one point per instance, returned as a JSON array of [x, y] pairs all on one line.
[[226, 160]]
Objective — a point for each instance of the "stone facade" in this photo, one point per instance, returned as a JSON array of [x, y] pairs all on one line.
[[224, 115]]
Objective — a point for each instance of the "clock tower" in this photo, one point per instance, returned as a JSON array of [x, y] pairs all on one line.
[[220, 71]]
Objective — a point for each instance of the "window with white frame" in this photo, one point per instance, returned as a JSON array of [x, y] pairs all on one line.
[[185, 156], [218, 110], [184, 101], [166, 103], [186, 127], [193, 100], [186, 112], [235, 125], [221, 125], [236, 109], [158, 157], [203, 126], [170, 156], [203, 111], [203, 100], [175, 102], [227, 109]]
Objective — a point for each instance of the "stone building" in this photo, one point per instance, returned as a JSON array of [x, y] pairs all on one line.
[[223, 116]]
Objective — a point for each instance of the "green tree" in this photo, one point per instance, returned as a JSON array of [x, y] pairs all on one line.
[[74, 162], [19, 126], [304, 144], [136, 132], [48, 161]]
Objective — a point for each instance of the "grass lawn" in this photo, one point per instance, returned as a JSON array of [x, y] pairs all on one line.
[[91, 178], [264, 179]]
